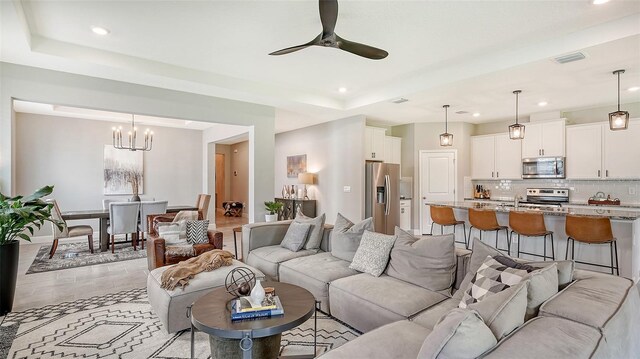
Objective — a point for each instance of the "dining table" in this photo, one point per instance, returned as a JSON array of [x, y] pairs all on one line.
[[103, 216]]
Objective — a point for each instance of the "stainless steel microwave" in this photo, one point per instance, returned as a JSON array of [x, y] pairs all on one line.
[[543, 167]]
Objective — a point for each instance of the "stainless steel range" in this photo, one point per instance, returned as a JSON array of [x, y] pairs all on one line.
[[546, 197]]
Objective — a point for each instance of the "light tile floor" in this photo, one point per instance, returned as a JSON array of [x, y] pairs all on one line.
[[39, 289]]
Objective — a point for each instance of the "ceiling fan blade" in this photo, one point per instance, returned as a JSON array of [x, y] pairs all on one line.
[[367, 51], [328, 16], [299, 47]]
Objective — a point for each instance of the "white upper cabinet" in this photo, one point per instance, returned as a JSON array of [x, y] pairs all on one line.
[[483, 157], [544, 139], [374, 138], [508, 157], [495, 157], [392, 149], [621, 152], [584, 152]]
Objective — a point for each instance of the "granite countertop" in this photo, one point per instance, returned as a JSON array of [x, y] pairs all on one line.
[[622, 206], [559, 211]]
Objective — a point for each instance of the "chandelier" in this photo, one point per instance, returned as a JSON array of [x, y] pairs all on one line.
[[133, 135]]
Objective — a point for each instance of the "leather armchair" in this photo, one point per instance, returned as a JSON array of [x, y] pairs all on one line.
[[156, 250]]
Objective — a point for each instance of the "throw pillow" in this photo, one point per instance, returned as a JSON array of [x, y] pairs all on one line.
[[565, 271], [492, 277], [461, 333], [170, 232], [543, 284], [296, 236], [316, 231], [505, 311], [428, 262], [372, 255], [346, 236], [186, 216], [197, 232]]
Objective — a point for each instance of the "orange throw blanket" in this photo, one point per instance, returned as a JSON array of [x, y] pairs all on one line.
[[180, 274]]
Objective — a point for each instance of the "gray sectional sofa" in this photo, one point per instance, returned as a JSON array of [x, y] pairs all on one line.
[[592, 315]]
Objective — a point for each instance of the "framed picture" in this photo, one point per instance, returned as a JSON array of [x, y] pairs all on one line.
[[296, 164], [122, 170]]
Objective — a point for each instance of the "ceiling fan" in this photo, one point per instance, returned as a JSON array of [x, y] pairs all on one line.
[[328, 38]]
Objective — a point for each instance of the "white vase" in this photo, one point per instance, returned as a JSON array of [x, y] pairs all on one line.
[[257, 293], [270, 217]]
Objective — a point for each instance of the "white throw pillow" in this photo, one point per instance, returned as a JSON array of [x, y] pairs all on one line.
[[372, 255], [171, 234]]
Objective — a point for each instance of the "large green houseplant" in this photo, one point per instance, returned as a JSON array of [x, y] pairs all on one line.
[[19, 215]]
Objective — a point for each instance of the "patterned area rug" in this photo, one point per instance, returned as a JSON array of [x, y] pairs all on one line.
[[123, 325], [77, 254]]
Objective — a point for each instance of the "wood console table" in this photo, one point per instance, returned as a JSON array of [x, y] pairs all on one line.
[[291, 206]]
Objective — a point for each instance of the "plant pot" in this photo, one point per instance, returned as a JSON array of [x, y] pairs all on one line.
[[9, 254], [271, 217]]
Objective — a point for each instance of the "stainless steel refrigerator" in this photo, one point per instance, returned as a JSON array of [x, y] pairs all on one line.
[[382, 196]]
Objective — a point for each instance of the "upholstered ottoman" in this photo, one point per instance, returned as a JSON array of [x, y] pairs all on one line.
[[171, 306]]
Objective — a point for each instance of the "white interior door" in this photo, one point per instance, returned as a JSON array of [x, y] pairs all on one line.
[[437, 182]]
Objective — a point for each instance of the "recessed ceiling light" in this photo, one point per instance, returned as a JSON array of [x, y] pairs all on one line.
[[600, 2], [100, 30], [633, 89], [542, 103], [342, 89], [476, 114]]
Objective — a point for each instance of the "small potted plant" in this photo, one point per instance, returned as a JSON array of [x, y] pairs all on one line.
[[273, 208], [19, 215]]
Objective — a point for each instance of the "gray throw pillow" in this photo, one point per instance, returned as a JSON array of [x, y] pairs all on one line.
[[543, 284], [372, 255], [460, 334], [316, 232], [428, 262], [296, 236], [505, 311], [492, 277], [197, 232], [346, 236]]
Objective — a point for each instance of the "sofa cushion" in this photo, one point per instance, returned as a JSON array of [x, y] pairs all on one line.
[[492, 277], [345, 237], [401, 339], [268, 259], [430, 317], [372, 255], [429, 262], [314, 273], [565, 270], [591, 301], [548, 338], [317, 229], [296, 236], [460, 334], [505, 311]]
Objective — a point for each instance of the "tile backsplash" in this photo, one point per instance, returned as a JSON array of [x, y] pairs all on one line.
[[579, 191]]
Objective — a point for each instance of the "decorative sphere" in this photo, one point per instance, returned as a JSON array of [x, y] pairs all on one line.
[[240, 281]]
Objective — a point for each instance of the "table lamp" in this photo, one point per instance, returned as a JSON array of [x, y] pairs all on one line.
[[305, 179]]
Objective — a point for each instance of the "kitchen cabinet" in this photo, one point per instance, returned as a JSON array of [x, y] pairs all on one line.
[[544, 139], [374, 138], [596, 152], [392, 149], [405, 214], [495, 157]]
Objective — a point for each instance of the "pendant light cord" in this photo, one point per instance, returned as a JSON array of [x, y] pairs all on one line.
[[446, 119], [618, 91], [517, 108]]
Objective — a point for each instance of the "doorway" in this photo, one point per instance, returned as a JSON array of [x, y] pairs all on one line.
[[220, 180], [438, 181]]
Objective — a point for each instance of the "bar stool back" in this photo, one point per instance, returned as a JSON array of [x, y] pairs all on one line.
[[530, 224], [486, 220], [591, 230], [444, 217]]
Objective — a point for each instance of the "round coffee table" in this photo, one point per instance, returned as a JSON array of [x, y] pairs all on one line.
[[260, 337]]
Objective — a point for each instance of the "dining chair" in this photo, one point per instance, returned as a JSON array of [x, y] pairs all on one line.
[[123, 219], [147, 208], [203, 204], [67, 232]]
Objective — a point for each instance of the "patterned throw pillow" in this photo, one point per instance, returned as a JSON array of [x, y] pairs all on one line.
[[170, 232], [372, 255], [492, 277], [197, 232]]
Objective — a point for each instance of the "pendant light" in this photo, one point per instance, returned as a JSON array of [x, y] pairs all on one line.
[[618, 120], [133, 135], [446, 139], [516, 131]]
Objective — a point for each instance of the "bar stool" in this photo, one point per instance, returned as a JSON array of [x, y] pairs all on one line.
[[486, 220], [530, 224], [444, 217], [591, 230]]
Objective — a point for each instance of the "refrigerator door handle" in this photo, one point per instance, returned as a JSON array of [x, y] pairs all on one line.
[[387, 187]]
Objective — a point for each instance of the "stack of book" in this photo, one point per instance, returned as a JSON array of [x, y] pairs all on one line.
[[243, 308]]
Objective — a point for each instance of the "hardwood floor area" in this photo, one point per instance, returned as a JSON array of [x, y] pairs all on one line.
[[40, 289]]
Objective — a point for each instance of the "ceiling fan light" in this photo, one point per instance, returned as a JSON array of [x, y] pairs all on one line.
[[618, 120], [446, 139], [516, 131]]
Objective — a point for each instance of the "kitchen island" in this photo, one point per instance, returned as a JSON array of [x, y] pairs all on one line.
[[625, 224]]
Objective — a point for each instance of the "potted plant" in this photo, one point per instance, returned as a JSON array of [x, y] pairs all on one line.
[[17, 215], [273, 208]]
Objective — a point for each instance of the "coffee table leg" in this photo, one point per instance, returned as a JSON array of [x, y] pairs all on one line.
[[315, 329], [193, 349], [104, 237]]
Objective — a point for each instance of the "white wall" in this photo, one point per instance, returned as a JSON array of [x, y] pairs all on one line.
[[335, 153]]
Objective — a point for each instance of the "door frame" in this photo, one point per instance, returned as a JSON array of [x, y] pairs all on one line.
[[422, 210]]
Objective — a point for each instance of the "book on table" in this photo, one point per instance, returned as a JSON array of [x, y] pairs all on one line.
[[243, 308]]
